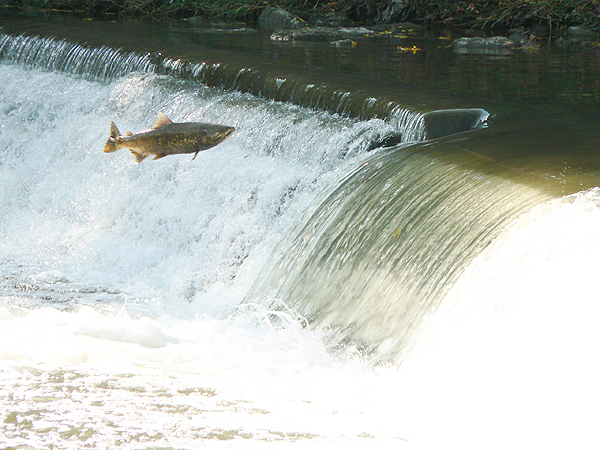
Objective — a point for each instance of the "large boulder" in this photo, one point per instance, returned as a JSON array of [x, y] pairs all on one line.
[[279, 19]]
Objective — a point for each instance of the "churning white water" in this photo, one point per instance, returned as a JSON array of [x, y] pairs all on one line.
[[120, 291]]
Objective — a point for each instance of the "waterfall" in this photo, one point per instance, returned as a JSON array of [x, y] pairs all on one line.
[[380, 250]]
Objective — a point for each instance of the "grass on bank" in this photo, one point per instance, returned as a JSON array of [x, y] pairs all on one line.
[[506, 14], [452, 13]]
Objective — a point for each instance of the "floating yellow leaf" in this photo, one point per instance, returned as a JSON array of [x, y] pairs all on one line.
[[414, 49]]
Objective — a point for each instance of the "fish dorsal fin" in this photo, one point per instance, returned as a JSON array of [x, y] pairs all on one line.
[[161, 121]]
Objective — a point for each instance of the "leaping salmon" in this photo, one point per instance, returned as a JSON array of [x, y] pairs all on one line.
[[168, 138]]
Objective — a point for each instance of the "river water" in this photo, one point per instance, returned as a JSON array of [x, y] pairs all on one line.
[[330, 276]]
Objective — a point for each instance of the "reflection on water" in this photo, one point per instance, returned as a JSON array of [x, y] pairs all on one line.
[[432, 76]]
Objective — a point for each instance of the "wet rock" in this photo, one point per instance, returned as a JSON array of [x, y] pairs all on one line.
[[279, 19], [389, 140], [205, 26], [322, 34], [451, 121], [319, 34], [197, 20], [578, 36], [225, 31], [357, 32], [523, 39], [478, 45], [519, 37], [331, 20], [343, 43], [581, 33]]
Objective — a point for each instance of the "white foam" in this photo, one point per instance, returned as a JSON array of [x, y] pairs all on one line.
[[120, 283], [508, 359], [162, 232]]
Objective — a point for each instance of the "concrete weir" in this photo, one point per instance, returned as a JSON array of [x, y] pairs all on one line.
[[451, 121], [93, 51]]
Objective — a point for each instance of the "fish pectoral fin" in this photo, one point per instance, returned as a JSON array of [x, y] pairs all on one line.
[[195, 154], [139, 157], [161, 121], [159, 155]]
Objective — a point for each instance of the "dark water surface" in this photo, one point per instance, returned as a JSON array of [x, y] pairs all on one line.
[[419, 70]]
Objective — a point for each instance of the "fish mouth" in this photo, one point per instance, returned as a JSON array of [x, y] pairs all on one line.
[[225, 133]]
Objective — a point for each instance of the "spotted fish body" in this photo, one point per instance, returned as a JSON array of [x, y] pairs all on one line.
[[168, 138]]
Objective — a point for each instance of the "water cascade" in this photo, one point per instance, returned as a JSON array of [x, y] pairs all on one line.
[[381, 249], [105, 63]]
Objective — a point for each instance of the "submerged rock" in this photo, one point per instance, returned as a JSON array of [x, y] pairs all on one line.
[[322, 34], [389, 140], [343, 43], [356, 32], [225, 31], [319, 34], [523, 39], [491, 45], [279, 19]]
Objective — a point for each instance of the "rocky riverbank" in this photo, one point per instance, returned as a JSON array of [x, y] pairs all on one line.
[[466, 14], [336, 29], [487, 26]]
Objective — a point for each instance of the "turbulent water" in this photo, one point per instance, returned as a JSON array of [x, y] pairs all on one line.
[[125, 314]]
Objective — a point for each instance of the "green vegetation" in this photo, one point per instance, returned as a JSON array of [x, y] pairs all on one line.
[[453, 13], [511, 13]]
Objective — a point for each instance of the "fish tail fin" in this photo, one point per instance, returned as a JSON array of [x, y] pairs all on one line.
[[111, 142], [110, 146]]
